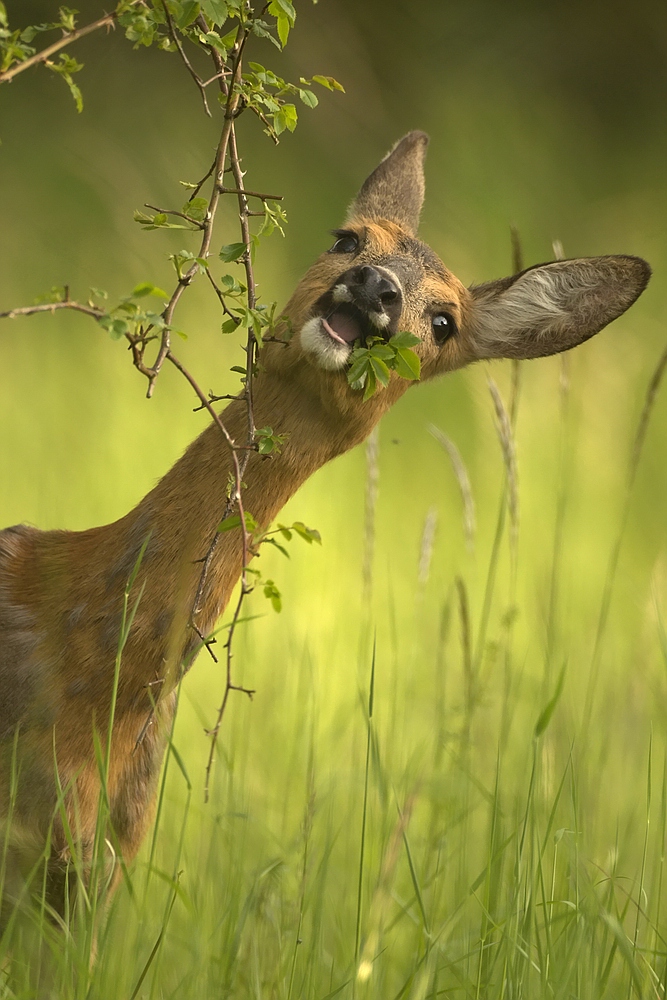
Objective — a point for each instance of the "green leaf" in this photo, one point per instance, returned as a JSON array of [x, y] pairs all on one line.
[[285, 532], [286, 118], [309, 535], [229, 40], [146, 288], [308, 98], [371, 385], [213, 39], [234, 521], [407, 364], [232, 251], [118, 329], [548, 710], [358, 369], [277, 545], [231, 286], [67, 19], [196, 208], [65, 68], [268, 442], [383, 351], [229, 523], [261, 29], [284, 7], [404, 339], [231, 326], [291, 116], [329, 83], [190, 11], [215, 10], [283, 28], [273, 594], [380, 370]]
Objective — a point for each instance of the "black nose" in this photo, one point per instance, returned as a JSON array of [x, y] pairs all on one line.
[[373, 288]]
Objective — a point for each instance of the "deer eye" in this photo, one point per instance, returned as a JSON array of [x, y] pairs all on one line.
[[443, 327], [346, 243]]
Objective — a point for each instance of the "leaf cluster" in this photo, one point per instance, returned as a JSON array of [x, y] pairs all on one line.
[[212, 25], [15, 45], [371, 366], [65, 67], [131, 318], [266, 93]]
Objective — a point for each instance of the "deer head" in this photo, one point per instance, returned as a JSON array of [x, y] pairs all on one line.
[[378, 279]]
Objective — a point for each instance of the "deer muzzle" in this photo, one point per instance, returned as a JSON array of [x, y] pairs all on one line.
[[364, 302]]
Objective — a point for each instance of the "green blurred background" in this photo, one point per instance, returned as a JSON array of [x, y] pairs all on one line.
[[547, 117]]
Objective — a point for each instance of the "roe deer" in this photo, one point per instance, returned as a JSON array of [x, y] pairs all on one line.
[[61, 592]]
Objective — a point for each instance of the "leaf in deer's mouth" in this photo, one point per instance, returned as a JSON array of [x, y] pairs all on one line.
[[342, 327]]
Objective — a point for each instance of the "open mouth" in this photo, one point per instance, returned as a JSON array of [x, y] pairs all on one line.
[[346, 324]]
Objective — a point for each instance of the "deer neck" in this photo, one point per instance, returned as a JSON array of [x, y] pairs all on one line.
[[182, 513]]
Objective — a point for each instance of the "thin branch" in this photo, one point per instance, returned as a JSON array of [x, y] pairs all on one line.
[[218, 171], [72, 36], [188, 65], [216, 399], [218, 76], [181, 215], [229, 440], [51, 307], [251, 194], [251, 349], [221, 296], [201, 183]]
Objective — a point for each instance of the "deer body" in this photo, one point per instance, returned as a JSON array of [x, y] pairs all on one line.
[[61, 592]]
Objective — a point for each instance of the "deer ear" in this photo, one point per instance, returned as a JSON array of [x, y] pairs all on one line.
[[552, 307], [395, 189]]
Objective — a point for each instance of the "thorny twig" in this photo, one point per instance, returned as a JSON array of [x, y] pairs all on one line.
[[251, 349], [227, 141], [188, 65], [171, 211]]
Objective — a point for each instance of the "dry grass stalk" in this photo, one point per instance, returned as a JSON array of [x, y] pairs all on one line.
[[372, 485], [468, 667], [426, 548], [463, 480], [382, 898], [506, 438]]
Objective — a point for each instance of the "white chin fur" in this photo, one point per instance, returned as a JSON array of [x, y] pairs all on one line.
[[315, 340]]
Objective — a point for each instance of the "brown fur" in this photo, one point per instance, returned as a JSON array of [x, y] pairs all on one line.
[[61, 592]]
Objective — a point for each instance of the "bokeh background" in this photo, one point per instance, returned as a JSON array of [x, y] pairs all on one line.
[[546, 117]]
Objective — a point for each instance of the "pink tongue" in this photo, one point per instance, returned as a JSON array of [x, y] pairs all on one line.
[[342, 328]]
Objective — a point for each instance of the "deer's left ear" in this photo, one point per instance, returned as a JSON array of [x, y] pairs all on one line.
[[395, 189], [552, 307]]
